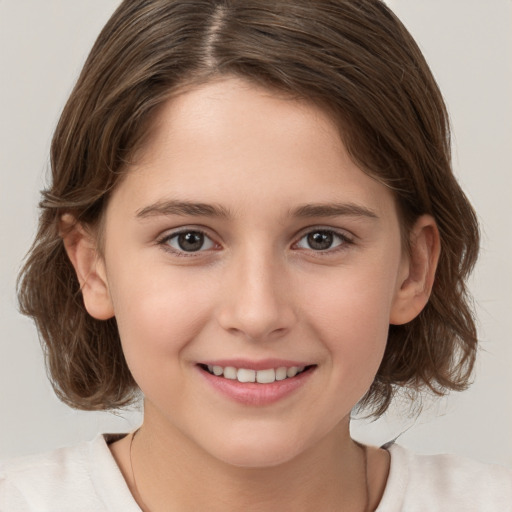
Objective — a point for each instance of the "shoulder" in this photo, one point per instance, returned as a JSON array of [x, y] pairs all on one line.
[[67, 479], [37, 482], [418, 483]]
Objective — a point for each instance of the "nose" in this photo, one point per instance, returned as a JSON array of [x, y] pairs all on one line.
[[258, 302]]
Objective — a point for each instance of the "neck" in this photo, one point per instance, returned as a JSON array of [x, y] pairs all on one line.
[[169, 469]]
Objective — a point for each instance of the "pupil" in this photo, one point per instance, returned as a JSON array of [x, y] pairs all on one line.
[[191, 241], [320, 240]]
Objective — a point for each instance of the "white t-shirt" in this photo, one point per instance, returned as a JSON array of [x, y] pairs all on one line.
[[85, 478]]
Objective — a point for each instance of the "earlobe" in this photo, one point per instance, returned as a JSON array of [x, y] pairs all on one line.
[[89, 266], [416, 281]]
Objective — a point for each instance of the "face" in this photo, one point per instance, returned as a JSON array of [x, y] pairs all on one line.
[[246, 245]]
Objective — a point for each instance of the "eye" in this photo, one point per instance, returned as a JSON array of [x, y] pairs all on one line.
[[189, 241], [322, 240]]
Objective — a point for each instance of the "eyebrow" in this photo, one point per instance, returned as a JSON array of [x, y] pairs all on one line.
[[184, 208], [334, 210], [189, 208]]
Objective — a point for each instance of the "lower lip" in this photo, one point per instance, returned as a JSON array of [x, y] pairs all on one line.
[[252, 393]]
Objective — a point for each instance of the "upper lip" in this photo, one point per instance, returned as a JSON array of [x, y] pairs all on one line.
[[263, 364]]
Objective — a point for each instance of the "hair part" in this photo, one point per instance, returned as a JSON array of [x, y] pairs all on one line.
[[352, 57]]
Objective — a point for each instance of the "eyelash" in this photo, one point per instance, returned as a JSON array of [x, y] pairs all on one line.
[[344, 241], [164, 242]]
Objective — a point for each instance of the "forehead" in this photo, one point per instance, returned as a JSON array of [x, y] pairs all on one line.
[[234, 142]]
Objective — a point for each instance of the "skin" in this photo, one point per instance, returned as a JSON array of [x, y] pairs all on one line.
[[256, 290]]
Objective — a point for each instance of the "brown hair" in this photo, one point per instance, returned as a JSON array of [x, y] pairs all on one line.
[[355, 58]]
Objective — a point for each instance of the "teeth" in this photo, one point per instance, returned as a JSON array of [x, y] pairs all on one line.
[[266, 376], [244, 375], [294, 370], [291, 372], [230, 373], [281, 373], [260, 376]]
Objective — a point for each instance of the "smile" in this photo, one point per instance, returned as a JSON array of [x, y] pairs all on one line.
[[256, 383], [266, 376]]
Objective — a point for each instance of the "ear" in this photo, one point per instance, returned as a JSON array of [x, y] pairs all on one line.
[[81, 247], [419, 268]]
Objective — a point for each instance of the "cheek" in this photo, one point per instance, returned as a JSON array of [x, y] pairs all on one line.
[[351, 317], [158, 314]]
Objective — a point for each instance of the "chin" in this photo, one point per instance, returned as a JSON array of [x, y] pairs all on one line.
[[258, 452], [258, 458]]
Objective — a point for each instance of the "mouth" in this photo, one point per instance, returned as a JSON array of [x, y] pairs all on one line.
[[247, 375]]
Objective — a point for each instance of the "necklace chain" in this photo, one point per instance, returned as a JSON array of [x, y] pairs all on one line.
[[137, 493], [365, 470]]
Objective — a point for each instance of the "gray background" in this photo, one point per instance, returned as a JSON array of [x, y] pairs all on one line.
[[468, 44]]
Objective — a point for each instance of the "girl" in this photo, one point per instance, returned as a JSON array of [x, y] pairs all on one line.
[[253, 222]]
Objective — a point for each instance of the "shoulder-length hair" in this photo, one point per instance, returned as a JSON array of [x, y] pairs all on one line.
[[352, 57]]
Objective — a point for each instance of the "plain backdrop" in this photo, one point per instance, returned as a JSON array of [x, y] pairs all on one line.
[[468, 44]]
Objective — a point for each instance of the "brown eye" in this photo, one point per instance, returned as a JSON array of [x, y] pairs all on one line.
[[322, 240], [190, 241]]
